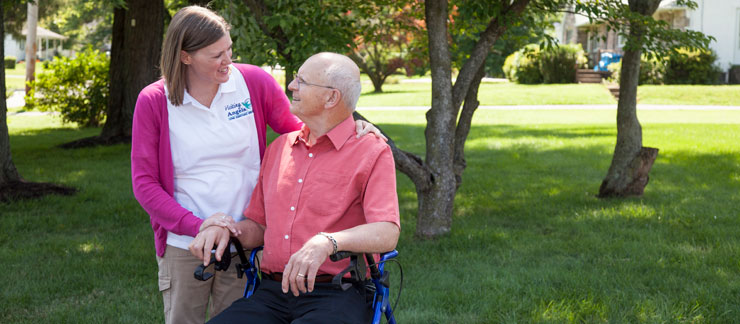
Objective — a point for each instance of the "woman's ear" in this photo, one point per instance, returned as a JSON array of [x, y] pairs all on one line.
[[185, 57]]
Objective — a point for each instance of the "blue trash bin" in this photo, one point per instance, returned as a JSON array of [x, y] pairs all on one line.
[[606, 59]]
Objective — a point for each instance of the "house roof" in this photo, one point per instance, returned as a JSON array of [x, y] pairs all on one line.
[[43, 33], [664, 5], [671, 4]]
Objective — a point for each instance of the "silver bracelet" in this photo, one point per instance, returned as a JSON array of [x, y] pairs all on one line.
[[333, 241]]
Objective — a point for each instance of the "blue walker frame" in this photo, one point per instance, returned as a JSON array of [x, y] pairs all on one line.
[[381, 301]]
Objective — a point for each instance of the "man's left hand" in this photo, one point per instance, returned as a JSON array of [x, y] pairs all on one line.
[[299, 275]]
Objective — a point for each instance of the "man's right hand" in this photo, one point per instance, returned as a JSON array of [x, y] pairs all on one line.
[[202, 245]]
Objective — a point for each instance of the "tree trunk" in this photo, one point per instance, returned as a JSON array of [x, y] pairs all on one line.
[[631, 162], [436, 201], [438, 176], [135, 51], [32, 21], [375, 75], [377, 81], [12, 185], [8, 172]]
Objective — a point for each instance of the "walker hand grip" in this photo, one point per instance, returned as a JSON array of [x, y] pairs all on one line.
[[340, 255], [223, 265]]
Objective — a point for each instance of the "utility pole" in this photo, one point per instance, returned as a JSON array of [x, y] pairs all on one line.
[[33, 17]]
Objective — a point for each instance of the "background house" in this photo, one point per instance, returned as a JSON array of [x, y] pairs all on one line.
[[717, 18], [48, 44]]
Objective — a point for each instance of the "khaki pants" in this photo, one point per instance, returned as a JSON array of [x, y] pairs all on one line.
[[186, 298]]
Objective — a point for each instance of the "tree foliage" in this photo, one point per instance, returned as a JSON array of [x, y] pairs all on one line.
[[390, 37], [656, 39], [468, 19], [287, 32], [16, 13], [84, 22]]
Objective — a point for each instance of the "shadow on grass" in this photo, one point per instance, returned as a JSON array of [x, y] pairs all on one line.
[[387, 92], [530, 242], [526, 217]]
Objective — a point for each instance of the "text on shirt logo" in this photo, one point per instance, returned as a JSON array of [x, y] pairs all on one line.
[[238, 110]]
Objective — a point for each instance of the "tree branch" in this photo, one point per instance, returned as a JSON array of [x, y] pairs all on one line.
[[463, 124], [496, 27], [408, 163]]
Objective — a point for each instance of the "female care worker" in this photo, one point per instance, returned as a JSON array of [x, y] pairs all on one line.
[[197, 142]]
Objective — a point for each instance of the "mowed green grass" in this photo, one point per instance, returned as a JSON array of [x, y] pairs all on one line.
[[720, 95], [530, 243], [418, 94], [497, 94], [15, 78]]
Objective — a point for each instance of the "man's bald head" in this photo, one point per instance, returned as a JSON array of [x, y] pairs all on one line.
[[341, 73]]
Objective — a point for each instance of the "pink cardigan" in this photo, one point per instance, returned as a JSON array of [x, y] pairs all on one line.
[[151, 156]]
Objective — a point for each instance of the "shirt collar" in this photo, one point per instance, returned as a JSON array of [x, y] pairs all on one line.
[[338, 135]]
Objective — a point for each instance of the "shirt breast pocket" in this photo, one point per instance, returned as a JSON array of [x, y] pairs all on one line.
[[328, 193]]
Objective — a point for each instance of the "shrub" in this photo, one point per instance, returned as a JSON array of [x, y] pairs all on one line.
[[651, 71], [77, 88], [10, 62], [616, 70], [527, 69], [509, 66], [687, 66], [559, 64], [532, 65], [521, 66]]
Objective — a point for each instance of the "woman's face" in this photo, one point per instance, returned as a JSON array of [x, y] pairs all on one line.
[[210, 64]]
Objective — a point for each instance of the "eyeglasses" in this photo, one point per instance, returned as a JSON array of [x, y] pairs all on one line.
[[302, 82]]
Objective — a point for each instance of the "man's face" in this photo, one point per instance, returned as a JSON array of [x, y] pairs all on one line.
[[310, 91]]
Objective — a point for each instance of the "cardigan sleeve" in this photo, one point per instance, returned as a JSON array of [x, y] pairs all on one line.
[[146, 177]]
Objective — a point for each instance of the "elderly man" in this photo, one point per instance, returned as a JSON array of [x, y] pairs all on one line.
[[320, 190]]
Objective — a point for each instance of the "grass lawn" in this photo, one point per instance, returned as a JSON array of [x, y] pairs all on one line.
[[722, 95], [15, 78], [530, 243], [493, 94], [418, 94]]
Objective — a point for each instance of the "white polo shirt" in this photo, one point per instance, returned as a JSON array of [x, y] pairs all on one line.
[[215, 153]]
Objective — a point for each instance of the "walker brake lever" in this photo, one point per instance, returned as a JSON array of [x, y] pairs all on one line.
[[223, 265]]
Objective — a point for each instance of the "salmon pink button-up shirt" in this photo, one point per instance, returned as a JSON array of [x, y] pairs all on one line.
[[338, 183]]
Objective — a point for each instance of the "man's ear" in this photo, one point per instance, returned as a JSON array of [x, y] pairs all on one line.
[[334, 99]]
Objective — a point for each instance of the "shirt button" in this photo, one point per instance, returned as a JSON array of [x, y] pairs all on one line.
[[300, 180], [292, 208], [310, 154], [286, 236]]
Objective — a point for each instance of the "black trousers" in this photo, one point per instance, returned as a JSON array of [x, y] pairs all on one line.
[[326, 304]]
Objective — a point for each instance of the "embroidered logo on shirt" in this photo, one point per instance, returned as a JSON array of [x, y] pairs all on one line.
[[238, 110]]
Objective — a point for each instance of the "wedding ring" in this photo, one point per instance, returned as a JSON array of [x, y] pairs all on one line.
[[301, 275]]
